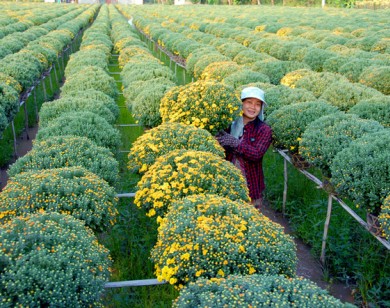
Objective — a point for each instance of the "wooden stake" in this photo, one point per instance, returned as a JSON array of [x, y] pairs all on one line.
[[285, 187], [326, 228]]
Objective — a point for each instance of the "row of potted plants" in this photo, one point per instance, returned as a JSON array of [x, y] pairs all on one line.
[[21, 70], [61, 193]]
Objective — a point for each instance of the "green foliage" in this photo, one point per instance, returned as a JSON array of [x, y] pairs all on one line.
[[84, 58], [384, 218], [83, 124], [243, 77], [275, 70], [127, 54], [255, 291], [95, 95], [90, 78], [345, 95], [9, 101], [353, 68], [376, 108], [3, 121], [289, 122], [68, 151], [210, 236], [330, 134], [185, 172], [51, 110], [280, 95], [146, 106], [361, 171], [377, 77], [248, 56], [317, 83], [167, 137], [74, 191], [51, 259], [205, 60]]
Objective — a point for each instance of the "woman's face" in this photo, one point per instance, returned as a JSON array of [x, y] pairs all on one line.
[[251, 108]]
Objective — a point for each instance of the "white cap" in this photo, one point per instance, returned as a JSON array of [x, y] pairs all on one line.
[[253, 92]]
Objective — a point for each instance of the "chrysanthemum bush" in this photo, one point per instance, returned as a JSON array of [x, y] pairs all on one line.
[[243, 77], [91, 77], [376, 108], [289, 122], [74, 191], [85, 58], [280, 95], [83, 124], [53, 109], [167, 137], [68, 151], [186, 172], [361, 171], [9, 100], [209, 236], [95, 95], [384, 218], [206, 104], [328, 135], [377, 77], [51, 259], [255, 291], [219, 70], [345, 95]]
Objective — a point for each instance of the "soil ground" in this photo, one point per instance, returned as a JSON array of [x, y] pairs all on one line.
[[308, 266]]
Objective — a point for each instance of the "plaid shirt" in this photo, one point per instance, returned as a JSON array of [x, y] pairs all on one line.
[[255, 141]]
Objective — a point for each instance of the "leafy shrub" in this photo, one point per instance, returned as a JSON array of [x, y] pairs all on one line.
[[197, 54], [345, 95], [74, 191], [54, 109], [275, 70], [353, 68], [334, 64], [376, 108], [255, 291], [289, 122], [291, 78], [128, 53], [3, 121], [384, 218], [205, 60], [51, 259], [315, 58], [209, 236], [317, 83], [243, 77], [24, 71], [91, 78], [205, 104], [361, 170], [96, 95], [249, 56], [144, 71], [280, 95], [133, 89], [10, 81], [184, 172], [377, 77], [9, 100], [219, 70], [328, 135], [146, 106], [83, 124], [167, 137], [68, 151], [84, 58]]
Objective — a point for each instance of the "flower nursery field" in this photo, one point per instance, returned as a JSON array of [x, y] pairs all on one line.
[[125, 180]]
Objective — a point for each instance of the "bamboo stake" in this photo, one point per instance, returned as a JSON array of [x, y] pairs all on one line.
[[285, 187], [36, 105], [326, 228], [26, 119], [134, 283], [14, 134]]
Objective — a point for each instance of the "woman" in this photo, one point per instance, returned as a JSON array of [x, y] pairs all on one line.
[[246, 141]]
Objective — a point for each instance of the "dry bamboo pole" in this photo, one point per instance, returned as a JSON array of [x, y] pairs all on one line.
[[285, 173], [134, 283], [326, 228]]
